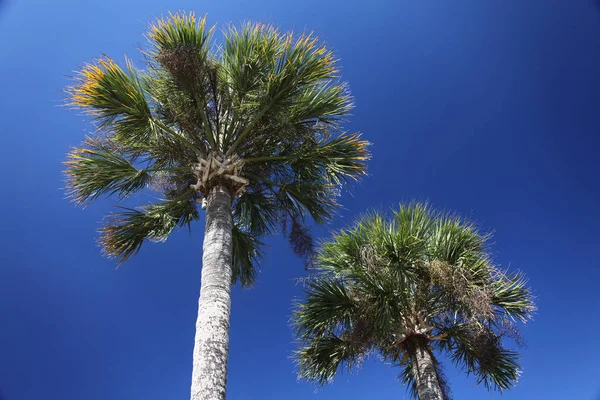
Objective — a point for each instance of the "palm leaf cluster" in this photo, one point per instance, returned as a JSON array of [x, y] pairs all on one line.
[[421, 278], [259, 113]]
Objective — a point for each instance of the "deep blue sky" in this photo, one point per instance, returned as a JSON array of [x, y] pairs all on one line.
[[490, 108]]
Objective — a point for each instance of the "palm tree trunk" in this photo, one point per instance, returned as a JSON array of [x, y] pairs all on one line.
[[425, 372], [211, 346]]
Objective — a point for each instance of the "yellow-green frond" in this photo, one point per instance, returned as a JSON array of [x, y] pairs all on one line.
[[313, 56], [90, 80], [178, 29], [105, 90], [114, 97]]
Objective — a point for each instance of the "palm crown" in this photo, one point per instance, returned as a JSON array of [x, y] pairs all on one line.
[[420, 279], [259, 114]]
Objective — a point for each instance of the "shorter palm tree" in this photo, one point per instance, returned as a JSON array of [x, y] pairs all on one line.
[[407, 288]]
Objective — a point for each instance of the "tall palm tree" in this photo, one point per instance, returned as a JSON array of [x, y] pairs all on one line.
[[249, 128], [405, 288]]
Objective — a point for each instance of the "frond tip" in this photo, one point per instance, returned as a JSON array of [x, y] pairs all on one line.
[[90, 80]]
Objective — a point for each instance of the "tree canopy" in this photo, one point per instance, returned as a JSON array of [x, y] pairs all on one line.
[[418, 278], [259, 111]]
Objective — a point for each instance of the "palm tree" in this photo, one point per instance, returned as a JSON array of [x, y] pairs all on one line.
[[250, 129], [405, 288]]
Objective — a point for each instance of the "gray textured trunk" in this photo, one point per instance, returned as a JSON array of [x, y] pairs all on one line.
[[211, 346], [428, 385]]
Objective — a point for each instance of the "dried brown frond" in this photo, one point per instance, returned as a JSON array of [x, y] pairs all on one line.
[[301, 241], [369, 258], [184, 64], [457, 283]]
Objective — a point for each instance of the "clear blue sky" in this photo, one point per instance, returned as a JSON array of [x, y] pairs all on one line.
[[489, 108]]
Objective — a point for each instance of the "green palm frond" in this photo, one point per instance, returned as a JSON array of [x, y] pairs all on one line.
[[257, 212], [180, 44], [480, 352], [325, 103], [327, 305], [276, 74], [343, 157], [124, 233], [247, 253], [100, 169], [406, 236], [325, 356], [305, 181], [181, 47], [345, 252], [308, 199], [249, 55], [173, 107], [512, 296], [337, 159], [454, 238]]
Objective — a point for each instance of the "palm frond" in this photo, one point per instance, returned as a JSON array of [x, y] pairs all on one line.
[[247, 253], [294, 66], [325, 103], [181, 47], [343, 157], [327, 305], [308, 198], [180, 30], [249, 56], [321, 359], [256, 211], [180, 43], [479, 350], [408, 233], [114, 98], [455, 237], [125, 232], [346, 251], [509, 293], [304, 63], [97, 169], [339, 159]]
